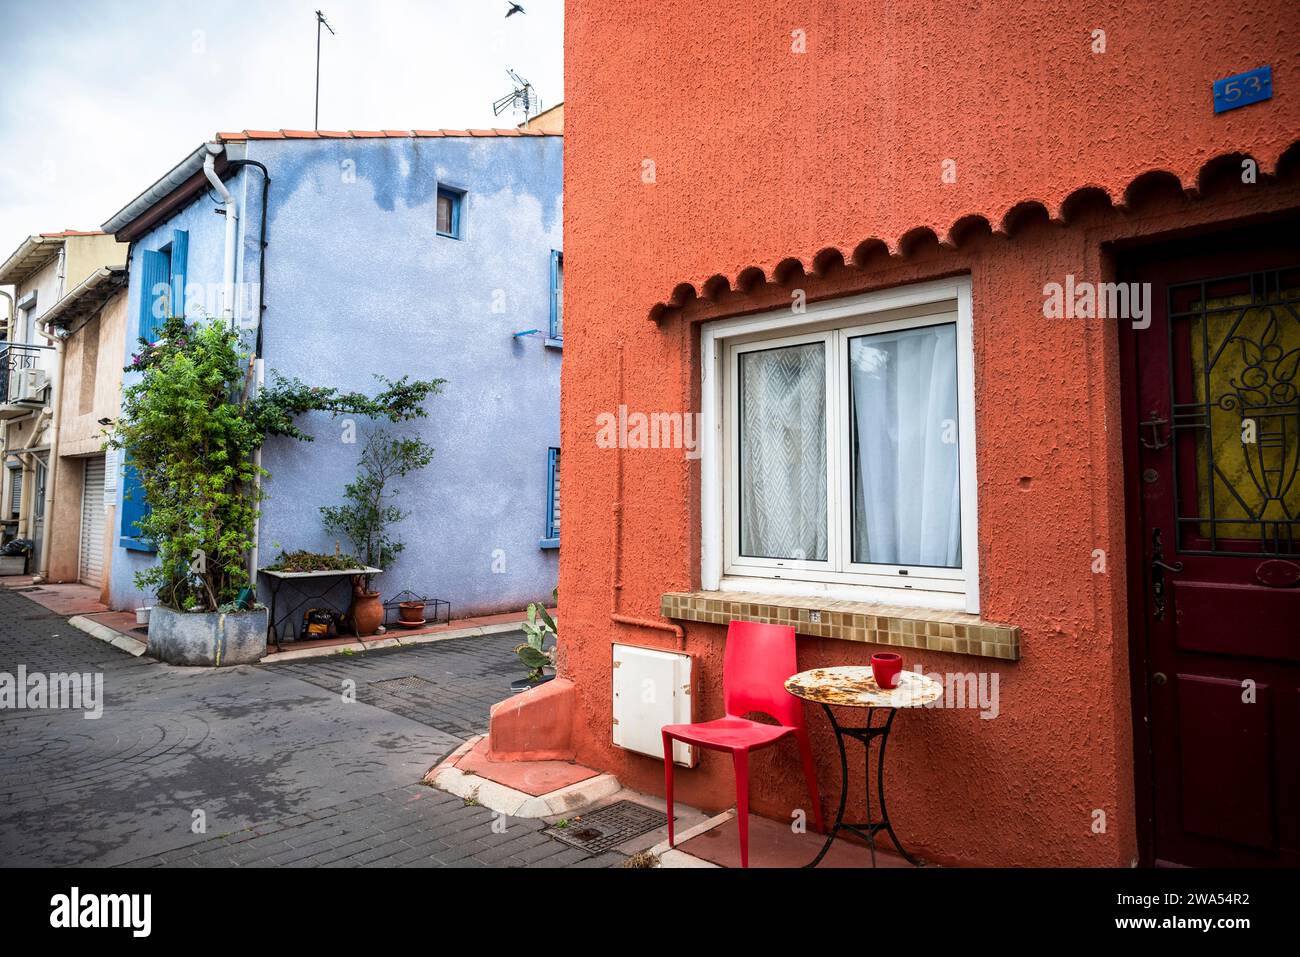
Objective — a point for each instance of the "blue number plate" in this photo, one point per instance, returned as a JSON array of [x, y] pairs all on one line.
[[1242, 89]]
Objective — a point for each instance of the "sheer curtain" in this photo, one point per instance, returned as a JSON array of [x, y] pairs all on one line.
[[906, 489], [782, 426]]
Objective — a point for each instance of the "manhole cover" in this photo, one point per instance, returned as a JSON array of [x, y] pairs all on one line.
[[609, 826], [408, 684]]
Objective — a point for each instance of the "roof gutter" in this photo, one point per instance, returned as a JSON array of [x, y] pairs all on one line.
[[61, 313], [188, 172], [32, 254]]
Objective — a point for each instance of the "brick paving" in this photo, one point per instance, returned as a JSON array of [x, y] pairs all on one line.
[[284, 770], [412, 826], [461, 678]]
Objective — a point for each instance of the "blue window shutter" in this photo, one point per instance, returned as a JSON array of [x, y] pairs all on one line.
[[180, 252], [557, 294], [552, 539], [134, 509], [155, 285]]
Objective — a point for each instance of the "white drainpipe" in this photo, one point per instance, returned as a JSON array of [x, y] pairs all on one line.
[[228, 313], [232, 223], [56, 417]]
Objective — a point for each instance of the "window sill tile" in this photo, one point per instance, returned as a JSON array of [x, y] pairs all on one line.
[[902, 626]]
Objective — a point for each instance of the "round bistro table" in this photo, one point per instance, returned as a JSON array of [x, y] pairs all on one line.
[[854, 686]]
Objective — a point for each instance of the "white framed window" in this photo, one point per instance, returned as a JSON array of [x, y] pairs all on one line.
[[838, 450]]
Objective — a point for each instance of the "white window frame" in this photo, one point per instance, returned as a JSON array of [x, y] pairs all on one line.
[[833, 321]]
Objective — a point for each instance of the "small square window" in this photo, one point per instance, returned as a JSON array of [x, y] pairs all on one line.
[[449, 203]]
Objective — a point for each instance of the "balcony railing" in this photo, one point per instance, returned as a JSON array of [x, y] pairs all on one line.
[[24, 373]]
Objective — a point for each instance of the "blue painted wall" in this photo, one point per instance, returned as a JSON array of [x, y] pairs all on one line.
[[358, 282]]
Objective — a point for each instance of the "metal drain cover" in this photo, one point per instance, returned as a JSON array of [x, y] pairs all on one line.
[[410, 684], [606, 827]]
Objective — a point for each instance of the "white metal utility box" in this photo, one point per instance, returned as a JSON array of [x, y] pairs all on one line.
[[652, 688]]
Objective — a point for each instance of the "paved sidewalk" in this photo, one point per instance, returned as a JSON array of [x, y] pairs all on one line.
[[413, 826], [450, 684], [271, 760]]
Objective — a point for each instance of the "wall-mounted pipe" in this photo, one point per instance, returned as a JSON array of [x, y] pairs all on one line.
[[261, 246], [616, 544], [59, 335], [259, 365], [56, 418], [231, 209]]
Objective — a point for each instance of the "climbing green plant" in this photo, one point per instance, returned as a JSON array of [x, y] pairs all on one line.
[[190, 426], [370, 511]]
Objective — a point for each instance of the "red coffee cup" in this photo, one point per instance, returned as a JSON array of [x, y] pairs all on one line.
[[886, 666]]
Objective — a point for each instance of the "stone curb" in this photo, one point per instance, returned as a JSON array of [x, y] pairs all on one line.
[[674, 857], [506, 800], [391, 642], [131, 646]]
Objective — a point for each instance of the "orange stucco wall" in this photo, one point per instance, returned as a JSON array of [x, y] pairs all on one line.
[[763, 159]]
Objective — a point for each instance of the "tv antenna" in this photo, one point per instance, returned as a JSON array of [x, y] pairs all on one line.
[[320, 22], [523, 98]]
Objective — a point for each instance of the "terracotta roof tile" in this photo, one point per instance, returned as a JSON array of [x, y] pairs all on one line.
[[239, 136]]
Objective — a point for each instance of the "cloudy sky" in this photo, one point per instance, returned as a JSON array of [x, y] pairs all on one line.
[[98, 98]]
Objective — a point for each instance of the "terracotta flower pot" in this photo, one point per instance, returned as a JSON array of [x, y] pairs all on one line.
[[367, 612], [412, 611]]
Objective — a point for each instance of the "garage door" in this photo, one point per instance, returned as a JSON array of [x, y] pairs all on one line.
[[91, 570]]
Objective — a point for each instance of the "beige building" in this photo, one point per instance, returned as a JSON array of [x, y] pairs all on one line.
[[60, 372], [547, 121]]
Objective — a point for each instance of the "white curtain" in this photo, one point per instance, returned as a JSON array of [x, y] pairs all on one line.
[[782, 429], [906, 489]]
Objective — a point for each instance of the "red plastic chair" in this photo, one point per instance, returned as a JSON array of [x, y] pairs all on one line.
[[757, 661]]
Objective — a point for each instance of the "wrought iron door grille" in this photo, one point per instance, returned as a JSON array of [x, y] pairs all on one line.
[[1234, 348]]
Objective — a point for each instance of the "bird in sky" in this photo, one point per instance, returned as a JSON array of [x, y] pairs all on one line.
[[514, 8]]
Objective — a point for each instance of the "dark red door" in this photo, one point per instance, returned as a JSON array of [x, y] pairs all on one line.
[[1213, 441]]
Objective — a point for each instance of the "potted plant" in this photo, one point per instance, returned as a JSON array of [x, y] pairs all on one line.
[[369, 515], [304, 561], [411, 612], [189, 427], [534, 653]]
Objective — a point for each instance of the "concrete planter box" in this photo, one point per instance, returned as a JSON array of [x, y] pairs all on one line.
[[13, 565], [207, 638]]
